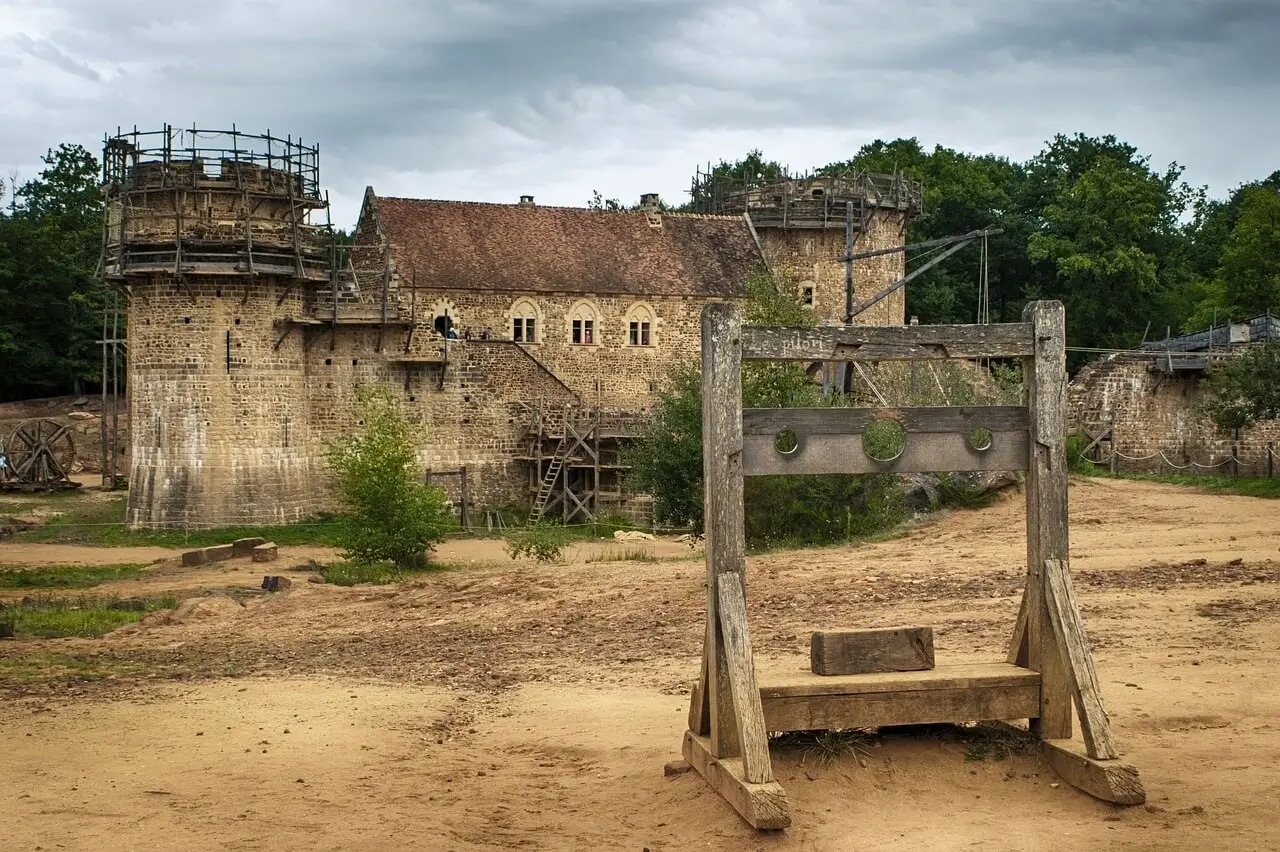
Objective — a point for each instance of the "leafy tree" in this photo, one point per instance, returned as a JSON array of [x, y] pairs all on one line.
[[667, 460], [390, 515], [1106, 230], [1245, 389], [1250, 263], [50, 300]]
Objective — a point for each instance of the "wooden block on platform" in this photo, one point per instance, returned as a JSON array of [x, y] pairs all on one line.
[[888, 649], [265, 552], [762, 805], [1108, 780], [245, 546]]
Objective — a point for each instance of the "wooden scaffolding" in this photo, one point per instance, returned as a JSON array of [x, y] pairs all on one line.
[[1049, 667], [574, 458]]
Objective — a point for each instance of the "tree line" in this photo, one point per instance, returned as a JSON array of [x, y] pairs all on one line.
[[1129, 247]]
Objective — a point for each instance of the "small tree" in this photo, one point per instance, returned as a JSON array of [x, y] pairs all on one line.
[[390, 516], [1245, 389]]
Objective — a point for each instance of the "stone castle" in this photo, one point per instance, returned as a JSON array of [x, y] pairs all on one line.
[[529, 341]]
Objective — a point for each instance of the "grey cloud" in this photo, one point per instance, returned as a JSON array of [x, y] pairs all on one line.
[[47, 51], [492, 98]]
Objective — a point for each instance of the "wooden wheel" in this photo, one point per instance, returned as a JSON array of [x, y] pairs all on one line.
[[40, 452]]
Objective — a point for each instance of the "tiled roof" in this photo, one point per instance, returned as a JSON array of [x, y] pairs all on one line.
[[511, 247]]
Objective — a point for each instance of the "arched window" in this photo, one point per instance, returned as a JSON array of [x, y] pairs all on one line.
[[444, 318], [640, 325], [526, 321], [584, 324]]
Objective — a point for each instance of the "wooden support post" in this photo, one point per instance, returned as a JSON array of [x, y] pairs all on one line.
[[722, 493], [752, 736], [1046, 376], [1069, 632]]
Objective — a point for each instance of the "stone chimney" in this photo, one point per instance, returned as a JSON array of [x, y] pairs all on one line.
[[526, 201], [649, 202]]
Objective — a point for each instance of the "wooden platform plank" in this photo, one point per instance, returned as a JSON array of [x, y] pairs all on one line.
[[954, 676], [885, 649], [764, 806], [1108, 780], [913, 707]]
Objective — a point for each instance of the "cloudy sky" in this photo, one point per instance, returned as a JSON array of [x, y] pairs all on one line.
[[491, 99]]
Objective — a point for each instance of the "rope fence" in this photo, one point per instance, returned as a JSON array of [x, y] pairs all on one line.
[[1267, 465]]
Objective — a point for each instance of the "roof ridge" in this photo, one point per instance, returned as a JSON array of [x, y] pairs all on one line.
[[462, 202]]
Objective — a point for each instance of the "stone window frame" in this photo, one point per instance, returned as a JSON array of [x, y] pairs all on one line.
[[525, 308], [588, 313], [808, 293], [445, 307], [640, 312]]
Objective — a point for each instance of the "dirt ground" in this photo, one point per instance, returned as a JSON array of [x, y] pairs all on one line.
[[507, 706]]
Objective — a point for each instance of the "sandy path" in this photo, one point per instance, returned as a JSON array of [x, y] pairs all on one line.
[[531, 707]]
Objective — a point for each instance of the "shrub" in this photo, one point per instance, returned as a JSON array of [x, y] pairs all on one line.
[[390, 515], [541, 541]]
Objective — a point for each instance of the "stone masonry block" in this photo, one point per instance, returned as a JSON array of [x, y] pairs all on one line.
[[194, 557], [266, 552], [245, 546], [218, 552]]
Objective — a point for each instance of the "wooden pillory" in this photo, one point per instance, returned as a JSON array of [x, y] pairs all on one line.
[[1049, 666]]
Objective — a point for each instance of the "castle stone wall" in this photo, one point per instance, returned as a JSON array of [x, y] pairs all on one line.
[[1155, 413], [803, 258], [220, 431]]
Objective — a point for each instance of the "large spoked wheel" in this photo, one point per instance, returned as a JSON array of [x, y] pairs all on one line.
[[40, 452]]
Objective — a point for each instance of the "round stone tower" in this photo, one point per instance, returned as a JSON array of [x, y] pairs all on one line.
[[210, 236]]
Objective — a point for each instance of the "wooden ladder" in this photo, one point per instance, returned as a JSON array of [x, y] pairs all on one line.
[[549, 479]]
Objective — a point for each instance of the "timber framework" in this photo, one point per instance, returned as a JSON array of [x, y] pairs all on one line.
[[1049, 667]]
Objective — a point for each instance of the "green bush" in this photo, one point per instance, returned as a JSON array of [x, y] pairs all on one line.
[[541, 541], [390, 515]]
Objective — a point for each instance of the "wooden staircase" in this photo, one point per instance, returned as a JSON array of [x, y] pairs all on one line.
[[548, 483]]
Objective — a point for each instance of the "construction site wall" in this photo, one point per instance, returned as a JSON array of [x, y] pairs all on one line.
[[1158, 424]]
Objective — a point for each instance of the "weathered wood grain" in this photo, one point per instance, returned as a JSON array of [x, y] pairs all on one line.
[[1108, 780], [852, 421], [914, 707], [722, 497], [1018, 643], [887, 649], [1069, 628], [955, 676], [752, 736], [764, 806], [923, 452], [887, 343], [1046, 377]]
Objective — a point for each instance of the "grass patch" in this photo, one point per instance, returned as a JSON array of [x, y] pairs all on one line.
[[1267, 488], [64, 576], [826, 747], [375, 574], [89, 618], [100, 522], [628, 554], [49, 667]]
